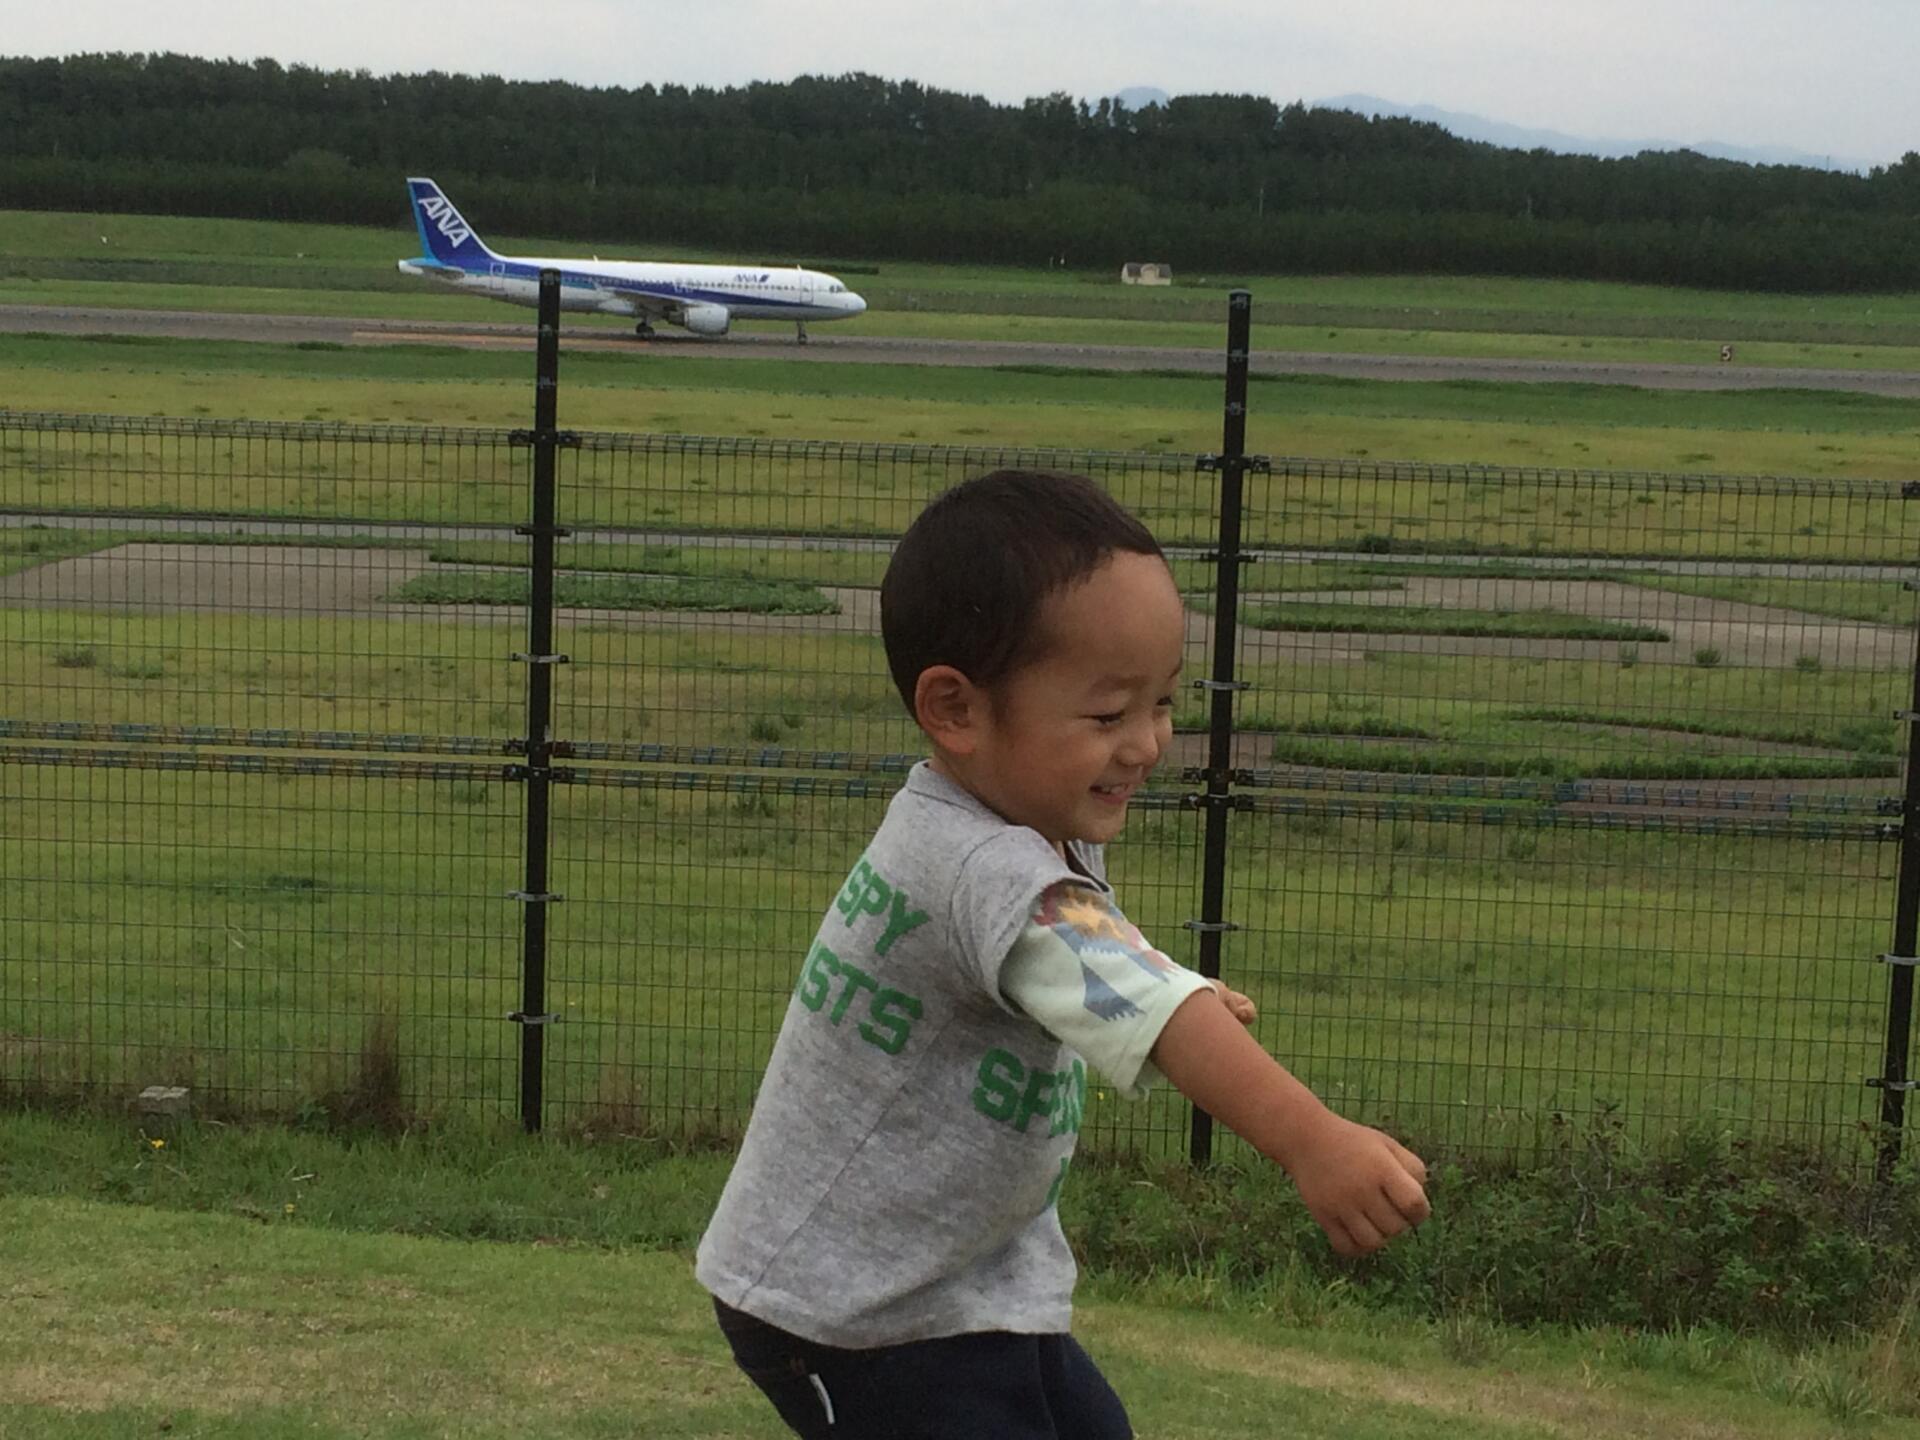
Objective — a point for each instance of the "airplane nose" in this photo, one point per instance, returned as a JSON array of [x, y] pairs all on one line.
[[855, 305]]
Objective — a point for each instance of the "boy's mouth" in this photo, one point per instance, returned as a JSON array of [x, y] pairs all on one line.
[[1115, 793]]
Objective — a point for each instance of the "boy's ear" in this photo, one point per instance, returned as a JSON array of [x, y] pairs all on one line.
[[949, 708]]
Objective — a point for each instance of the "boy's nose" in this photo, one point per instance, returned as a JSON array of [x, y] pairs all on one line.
[[1141, 744]]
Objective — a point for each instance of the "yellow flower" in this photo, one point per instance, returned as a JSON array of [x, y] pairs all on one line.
[[157, 1143], [289, 1207]]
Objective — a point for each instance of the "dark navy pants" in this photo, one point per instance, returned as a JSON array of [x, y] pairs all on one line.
[[989, 1386]]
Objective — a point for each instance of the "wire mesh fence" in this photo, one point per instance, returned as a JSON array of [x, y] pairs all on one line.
[[1576, 791], [250, 827], [1549, 794]]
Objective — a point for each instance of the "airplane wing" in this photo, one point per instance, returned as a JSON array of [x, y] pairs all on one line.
[[648, 303], [438, 271]]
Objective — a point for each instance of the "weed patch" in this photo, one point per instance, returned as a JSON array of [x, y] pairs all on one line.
[[620, 593]]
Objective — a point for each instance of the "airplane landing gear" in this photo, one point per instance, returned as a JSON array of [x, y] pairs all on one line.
[[800, 328], [644, 330]]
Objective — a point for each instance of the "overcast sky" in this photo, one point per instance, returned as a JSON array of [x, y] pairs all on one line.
[[1829, 77]]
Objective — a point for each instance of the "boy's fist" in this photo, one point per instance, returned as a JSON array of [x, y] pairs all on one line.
[[1239, 1006], [1361, 1186]]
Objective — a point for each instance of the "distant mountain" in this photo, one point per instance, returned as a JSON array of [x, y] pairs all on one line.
[[1495, 132]]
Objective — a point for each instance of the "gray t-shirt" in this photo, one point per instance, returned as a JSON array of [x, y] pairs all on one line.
[[898, 1177]]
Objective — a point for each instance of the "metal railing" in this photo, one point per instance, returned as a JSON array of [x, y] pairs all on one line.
[[527, 761]]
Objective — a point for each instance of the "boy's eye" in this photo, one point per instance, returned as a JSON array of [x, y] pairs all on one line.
[[1165, 702], [1113, 719]]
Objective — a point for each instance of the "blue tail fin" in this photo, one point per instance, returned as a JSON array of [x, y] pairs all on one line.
[[443, 234]]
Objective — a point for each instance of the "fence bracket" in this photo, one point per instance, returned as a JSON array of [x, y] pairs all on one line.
[[1223, 685], [1910, 490], [528, 897], [558, 532], [566, 439], [557, 774], [1879, 1082], [1209, 927], [521, 1017], [1900, 959], [1205, 800]]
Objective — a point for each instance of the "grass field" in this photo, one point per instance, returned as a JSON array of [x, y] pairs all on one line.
[[158, 251], [258, 266], [1483, 975], [1819, 434], [1553, 966], [224, 1282], [125, 1321], [1469, 979]]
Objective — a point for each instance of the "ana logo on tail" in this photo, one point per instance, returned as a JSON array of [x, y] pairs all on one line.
[[447, 220]]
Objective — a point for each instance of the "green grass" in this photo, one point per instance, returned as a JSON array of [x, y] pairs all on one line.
[[1873, 602], [1814, 434], [61, 258], [874, 492], [220, 1282], [1387, 956], [138, 1322], [1429, 690], [295, 247], [1283, 577], [1486, 715], [1559, 718], [1471, 980], [810, 566], [1079, 318], [1868, 735], [619, 593], [1557, 753], [1438, 620], [989, 385], [24, 548]]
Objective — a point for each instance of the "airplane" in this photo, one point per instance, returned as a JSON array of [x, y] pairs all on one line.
[[705, 299]]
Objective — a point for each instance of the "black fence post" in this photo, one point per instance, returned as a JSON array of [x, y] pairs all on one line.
[[1218, 800], [538, 773], [1892, 1081]]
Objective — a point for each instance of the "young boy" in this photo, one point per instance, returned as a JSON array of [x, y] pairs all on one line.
[[887, 1260]]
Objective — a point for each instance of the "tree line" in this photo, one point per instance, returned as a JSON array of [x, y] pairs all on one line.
[[856, 166]]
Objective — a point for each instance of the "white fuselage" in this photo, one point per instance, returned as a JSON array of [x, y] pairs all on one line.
[[609, 287], [705, 299]]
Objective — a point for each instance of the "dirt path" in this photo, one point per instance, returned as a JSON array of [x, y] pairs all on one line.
[[322, 581], [1748, 635], [253, 579]]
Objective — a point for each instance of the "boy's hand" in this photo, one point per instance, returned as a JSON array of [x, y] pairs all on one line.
[[1361, 1186], [1239, 1006]]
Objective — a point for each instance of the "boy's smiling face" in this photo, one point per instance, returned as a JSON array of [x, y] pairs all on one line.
[[1062, 743]]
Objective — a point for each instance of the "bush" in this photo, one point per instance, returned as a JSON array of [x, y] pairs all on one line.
[[1703, 1231]]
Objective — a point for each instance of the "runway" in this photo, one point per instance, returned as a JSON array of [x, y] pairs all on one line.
[[840, 347]]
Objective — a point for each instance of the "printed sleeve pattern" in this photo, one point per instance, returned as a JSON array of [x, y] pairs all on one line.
[[1083, 971]]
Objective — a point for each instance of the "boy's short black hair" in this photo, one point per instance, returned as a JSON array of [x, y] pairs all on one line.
[[968, 579]]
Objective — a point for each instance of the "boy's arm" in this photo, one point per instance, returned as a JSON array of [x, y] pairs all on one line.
[[1361, 1186]]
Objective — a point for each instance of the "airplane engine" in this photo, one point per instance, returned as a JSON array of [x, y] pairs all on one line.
[[707, 319]]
